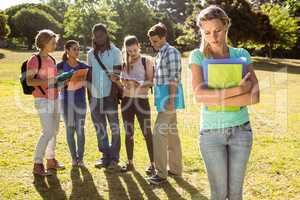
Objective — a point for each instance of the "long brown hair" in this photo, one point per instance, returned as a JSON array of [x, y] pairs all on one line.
[[67, 46], [209, 13], [96, 28], [128, 41]]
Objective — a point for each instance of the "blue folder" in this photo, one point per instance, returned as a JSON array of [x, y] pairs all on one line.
[[161, 94]]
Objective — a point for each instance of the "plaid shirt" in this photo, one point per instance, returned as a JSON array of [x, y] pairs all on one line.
[[167, 65]]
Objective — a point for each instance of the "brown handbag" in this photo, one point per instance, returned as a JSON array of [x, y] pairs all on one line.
[[116, 90]]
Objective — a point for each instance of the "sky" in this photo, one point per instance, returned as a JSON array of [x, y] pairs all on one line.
[[8, 3]]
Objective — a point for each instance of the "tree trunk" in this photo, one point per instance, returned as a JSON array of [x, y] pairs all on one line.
[[29, 43], [270, 50]]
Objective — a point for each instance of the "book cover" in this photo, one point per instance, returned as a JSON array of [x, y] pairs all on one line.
[[223, 73]]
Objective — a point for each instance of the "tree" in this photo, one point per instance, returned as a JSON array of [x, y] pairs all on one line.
[[4, 28], [29, 21], [190, 36], [11, 12], [134, 17], [81, 16], [243, 22], [285, 27], [61, 6], [177, 10]]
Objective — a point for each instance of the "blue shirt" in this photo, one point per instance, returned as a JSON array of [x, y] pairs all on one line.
[[217, 120], [101, 84], [76, 97]]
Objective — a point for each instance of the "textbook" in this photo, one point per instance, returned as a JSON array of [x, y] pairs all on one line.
[[223, 73]]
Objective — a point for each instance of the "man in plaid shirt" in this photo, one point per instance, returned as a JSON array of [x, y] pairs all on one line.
[[168, 97]]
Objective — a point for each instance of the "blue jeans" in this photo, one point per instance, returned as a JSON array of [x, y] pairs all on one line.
[[103, 109], [74, 118], [226, 153]]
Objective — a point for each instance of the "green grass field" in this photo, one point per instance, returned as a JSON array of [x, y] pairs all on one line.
[[273, 169]]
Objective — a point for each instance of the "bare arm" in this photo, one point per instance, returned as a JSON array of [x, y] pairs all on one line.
[[32, 80], [149, 73], [255, 91], [172, 92]]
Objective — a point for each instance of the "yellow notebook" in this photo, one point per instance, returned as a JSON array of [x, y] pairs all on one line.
[[223, 73]]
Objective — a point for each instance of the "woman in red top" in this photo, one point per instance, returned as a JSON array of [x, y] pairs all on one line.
[[46, 100]]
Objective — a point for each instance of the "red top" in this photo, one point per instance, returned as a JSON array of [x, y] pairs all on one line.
[[48, 70]]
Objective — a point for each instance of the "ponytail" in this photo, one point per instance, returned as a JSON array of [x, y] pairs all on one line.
[[65, 56]]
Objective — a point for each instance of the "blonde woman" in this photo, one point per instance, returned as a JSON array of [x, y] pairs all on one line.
[[46, 100], [225, 137]]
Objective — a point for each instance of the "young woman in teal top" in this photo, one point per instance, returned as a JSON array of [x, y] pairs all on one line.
[[225, 136]]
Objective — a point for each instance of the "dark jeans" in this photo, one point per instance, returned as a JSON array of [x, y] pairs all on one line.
[[103, 109], [140, 108]]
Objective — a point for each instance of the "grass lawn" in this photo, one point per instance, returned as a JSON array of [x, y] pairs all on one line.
[[273, 169]]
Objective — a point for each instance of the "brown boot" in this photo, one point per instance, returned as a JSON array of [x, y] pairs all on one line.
[[38, 169], [54, 164]]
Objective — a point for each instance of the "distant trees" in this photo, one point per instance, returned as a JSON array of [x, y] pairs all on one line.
[[28, 21], [4, 28], [256, 24], [81, 16]]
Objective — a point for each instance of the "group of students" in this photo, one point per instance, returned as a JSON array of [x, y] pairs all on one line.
[[225, 137]]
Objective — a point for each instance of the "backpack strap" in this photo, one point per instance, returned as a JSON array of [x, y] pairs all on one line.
[[145, 65], [145, 68], [52, 59], [39, 67]]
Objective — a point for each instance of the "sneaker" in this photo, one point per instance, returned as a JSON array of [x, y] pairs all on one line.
[[127, 167], [150, 171], [39, 169], [157, 180], [54, 164], [101, 162], [113, 165], [80, 163]]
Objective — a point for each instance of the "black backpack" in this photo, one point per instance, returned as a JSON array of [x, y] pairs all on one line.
[[23, 78]]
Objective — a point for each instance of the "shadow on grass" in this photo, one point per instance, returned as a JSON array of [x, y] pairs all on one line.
[[52, 190], [192, 190], [147, 188], [132, 187], [83, 187], [291, 67], [2, 56], [115, 187]]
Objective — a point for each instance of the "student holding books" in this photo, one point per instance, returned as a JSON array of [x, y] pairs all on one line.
[[41, 73], [168, 94], [224, 81], [137, 77], [73, 100]]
